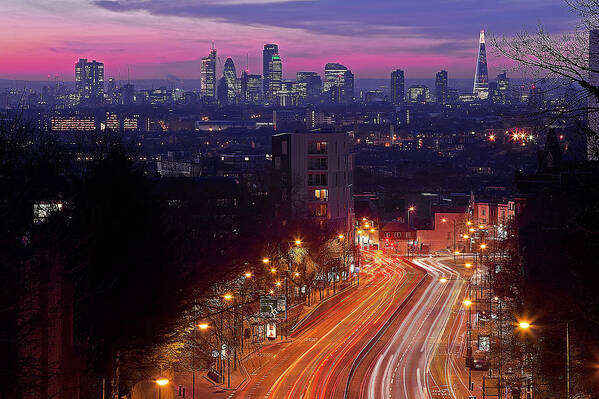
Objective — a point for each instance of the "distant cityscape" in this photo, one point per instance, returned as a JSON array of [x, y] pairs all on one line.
[[92, 89]]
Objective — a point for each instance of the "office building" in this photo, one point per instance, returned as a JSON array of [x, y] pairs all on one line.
[[418, 94], [503, 85], [89, 81], [481, 78], [397, 87], [338, 83], [275, 76], [230, 76], [251, 88], [314, 178], [208, 75], [267, 53], [309, 86], [441, 87], [222, 91]]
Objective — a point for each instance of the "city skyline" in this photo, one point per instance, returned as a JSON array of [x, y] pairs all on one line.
[[155, 41]]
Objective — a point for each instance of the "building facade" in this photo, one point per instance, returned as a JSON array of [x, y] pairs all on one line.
[[338, 83], [313, 175], [441, 87], [397, 87], [267, 53], [208, 75], [89, 81], [481, 78]]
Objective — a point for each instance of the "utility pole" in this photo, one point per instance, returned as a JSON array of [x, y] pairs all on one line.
[[567, 360]]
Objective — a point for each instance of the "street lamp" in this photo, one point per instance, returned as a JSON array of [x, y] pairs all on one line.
[[468, 304], [523, 325], [161, 382], [273, 270], [298, 242], [468, 265], [248, 274], [412, 208], [443, 280], [265, 260], [340, 236], [228, 297], [203, 326]]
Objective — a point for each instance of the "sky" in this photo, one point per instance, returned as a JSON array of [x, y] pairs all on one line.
[[155, 39]]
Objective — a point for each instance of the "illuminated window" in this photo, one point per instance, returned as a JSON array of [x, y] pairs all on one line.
[[321, 194], [317, 147]]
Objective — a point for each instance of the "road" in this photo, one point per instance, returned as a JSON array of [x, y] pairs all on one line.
[[399, 366], [317, 359]]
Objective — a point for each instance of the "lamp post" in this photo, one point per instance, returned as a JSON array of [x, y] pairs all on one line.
[[525, 325], [161, 382], [468, 304], [412, 208]]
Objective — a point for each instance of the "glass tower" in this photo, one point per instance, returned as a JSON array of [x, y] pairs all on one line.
[[208, 75], [481, 78], [267, 53]]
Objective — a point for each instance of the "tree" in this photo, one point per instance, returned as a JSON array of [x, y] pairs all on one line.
[[565, 63]]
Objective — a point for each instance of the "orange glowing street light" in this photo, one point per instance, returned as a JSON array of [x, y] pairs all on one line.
[[469, 223], [273, 270], [483, 246], [228, 297], [248, 274], [472, 229], [468, 265], [412, 208], [467, 302], [372, 230], [271, 292], [456, 253], [524, 325], [443, 280], [278, 283], [203, 326], [443, 220], [340, 236], [466, 236], [296, 274], [265, 260], [298, 242], [162, 381]]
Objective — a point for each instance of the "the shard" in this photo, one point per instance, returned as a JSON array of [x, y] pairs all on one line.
[[481, 79]]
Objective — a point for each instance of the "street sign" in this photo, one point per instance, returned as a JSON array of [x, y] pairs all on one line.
[[271, 330], [272, 306]]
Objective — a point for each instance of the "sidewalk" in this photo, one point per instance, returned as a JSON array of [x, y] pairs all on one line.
[[253, 356]]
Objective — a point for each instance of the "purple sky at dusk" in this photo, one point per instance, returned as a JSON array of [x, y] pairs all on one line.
[[157, 38]]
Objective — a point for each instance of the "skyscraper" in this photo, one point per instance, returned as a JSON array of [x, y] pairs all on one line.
[[338, 83], [503, 85], [397, 87], [222, 91], [267, 53], [230, 76], [275, 76], [441, 87], [481, 78], [309, 86], [89, 81], [208, 75], [251, 87]]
